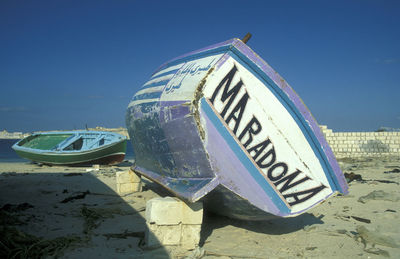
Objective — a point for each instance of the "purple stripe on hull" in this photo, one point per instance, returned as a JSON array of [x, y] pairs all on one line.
[[187, 149], [170, 111], [231, 172]]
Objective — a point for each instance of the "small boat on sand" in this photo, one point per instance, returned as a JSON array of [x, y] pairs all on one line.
[[73, 148], [219, 125]]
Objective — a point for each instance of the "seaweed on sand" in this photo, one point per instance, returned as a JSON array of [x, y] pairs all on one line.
[[92, 216], [17, 244]]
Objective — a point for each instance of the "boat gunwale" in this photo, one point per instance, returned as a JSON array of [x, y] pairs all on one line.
[[16, 146], [77, 162]]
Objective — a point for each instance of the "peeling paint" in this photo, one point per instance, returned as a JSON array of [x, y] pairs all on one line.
[[221, 121], [197, 97]]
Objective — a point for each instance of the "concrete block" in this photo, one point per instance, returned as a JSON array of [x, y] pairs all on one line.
[[171, 211], [190, 237], [164, 211], [171, 221], [158, 235], [125, 188], [192, 213], [127, 177]]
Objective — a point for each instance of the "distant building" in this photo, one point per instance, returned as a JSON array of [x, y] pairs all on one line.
[[12, 135]]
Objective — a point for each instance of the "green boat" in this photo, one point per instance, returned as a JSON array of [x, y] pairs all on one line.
[[73, 148]]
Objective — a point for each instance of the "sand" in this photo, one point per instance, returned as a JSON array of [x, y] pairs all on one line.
[[76, 213]]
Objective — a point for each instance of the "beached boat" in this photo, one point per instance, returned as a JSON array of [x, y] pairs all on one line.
[[73, 148], [221, 126]]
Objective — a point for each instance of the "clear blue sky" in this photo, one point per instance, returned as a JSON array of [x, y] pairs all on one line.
[[65, 64]]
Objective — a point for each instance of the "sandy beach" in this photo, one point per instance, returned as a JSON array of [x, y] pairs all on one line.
[[75, 212]]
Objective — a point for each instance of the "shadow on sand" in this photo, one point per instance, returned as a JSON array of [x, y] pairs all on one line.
[[70, 213], [276, 226]]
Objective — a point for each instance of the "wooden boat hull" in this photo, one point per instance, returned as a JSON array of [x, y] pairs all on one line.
[[112, 153], [220, 125]]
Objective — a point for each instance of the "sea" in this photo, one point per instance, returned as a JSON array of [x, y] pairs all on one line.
[[7, 154]]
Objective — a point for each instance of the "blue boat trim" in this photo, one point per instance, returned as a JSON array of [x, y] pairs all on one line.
[[147, 96], [172, 72], [155, 84], [245, 160], [198, 55]]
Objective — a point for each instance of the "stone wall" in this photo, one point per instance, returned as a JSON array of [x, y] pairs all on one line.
[[362, 144], [12, 135]]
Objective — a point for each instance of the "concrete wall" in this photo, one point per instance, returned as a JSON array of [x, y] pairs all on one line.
[[12, 135], [362, 144]]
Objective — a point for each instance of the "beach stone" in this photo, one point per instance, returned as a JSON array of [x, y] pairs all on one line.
[[377, 251], [196, 253], [127, 177], [378, 195], [171, 221], [190, 236], [374, 237], [128, 182], [164, 211], [192, 213], [125, 188], [170, 211], [158, 235]]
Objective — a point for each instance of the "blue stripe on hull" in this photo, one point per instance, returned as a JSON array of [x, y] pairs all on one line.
[[147, 96], [155, 84], [287, 103], [244, 159], [172, 72]]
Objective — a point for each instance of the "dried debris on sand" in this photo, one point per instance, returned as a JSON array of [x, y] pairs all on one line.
[[44, 213]]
